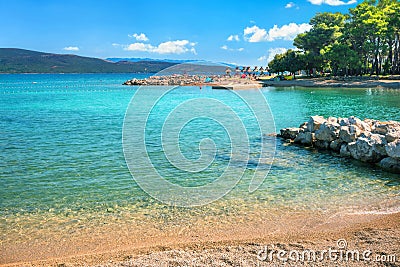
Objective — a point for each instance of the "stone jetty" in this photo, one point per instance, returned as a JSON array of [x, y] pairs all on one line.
[[215, 81], [173, 80], [368, 140]]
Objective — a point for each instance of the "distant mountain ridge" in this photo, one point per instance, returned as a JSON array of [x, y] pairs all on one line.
[[139, 59], [15, 60], [175, 61]]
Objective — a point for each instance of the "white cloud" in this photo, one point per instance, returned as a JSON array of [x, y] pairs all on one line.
[[233, 38], [193, 51], [287, 32], [169, 47], [332, 2], [139, 37], [271, 54], [290, 5], [71, 48], [140, 47], [175, 47], [257, 34], [263, 58], [225, 47]]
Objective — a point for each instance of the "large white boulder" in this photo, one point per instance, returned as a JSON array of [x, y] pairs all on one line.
[[392, 134], [349, 134], [393, 149], [384, 127], [327, 132], [368, 148], [314, 123]]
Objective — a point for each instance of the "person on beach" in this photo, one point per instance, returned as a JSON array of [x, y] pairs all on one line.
[[228, 72]]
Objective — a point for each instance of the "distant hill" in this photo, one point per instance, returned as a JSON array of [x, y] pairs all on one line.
[[138, 59], [13, 60], [176, 61]]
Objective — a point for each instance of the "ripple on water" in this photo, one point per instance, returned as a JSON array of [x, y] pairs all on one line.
[[62, 166]]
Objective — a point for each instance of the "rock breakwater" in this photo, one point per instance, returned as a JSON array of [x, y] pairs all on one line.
[[215, 81], [368, 140], [174, 80]]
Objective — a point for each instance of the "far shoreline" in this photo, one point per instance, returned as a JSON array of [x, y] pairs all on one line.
[[334, 83], [238, 83]]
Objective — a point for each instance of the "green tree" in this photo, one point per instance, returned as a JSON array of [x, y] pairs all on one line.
[[342, 59], [277, 64], [291, 61], [391, 11], [326, 29], [366, 41], [368, 25]]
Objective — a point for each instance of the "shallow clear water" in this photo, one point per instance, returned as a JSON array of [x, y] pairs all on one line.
[[61, 154]]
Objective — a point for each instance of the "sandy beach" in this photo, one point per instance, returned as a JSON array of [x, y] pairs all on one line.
[[239, 243]]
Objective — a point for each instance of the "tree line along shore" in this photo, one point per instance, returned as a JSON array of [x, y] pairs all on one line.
[[366, 41]]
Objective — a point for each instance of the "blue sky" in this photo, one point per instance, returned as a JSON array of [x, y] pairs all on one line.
[[241, 32]]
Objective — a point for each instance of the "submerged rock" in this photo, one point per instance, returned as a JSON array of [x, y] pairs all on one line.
[[390, 164], [322, 144], [289, 133], [305, 138], [344, 150], [335, 145]]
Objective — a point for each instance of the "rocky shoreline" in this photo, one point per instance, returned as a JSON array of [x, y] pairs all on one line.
[[174, 80], [215, 81], [372, 141]]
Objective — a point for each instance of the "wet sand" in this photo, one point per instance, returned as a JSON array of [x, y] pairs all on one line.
[[210, 243]]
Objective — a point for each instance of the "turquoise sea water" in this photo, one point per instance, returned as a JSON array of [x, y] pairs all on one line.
[[61, 154]]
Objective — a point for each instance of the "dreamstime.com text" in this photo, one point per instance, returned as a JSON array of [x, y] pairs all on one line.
[[340, 253]]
